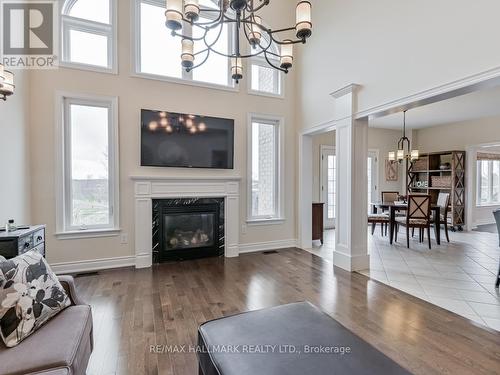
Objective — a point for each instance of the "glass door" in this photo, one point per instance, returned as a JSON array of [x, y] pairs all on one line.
[[372, 178], [328, 180]]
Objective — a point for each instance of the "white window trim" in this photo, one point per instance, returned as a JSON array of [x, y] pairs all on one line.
[[135, 55], [280, 164], [73, 23], [262, 62], [62, 231], [489, 203]]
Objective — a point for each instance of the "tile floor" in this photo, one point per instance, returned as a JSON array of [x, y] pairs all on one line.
[[458, 276]]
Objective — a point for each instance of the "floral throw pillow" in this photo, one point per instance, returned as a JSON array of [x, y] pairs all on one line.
[[30, 294]]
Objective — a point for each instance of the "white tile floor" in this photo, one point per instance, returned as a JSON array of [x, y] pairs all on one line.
[[458, 276]]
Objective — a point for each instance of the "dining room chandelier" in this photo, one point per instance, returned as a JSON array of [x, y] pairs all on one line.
[[6, 83], [403, 153], [184, 15]]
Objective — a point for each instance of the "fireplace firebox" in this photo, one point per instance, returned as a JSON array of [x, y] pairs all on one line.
[[187, 228]]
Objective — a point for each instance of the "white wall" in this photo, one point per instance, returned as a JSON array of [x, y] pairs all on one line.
[[382, 140], [14, 154], [460, 136], [137, 93], [393, 49]]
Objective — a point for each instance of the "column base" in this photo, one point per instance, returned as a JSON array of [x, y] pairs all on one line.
[[351, 263]]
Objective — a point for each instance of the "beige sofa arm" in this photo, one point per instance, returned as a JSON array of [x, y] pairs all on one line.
[[68, 284]]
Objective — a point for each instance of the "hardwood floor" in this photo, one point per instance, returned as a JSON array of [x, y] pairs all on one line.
[[134, 309]]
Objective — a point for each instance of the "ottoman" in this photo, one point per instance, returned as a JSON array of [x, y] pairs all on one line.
[[294, 339]]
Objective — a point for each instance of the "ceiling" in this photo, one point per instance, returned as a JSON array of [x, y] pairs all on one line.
[[479, 104]]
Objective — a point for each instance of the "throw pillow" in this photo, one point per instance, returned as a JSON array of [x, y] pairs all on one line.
[[30, 294]]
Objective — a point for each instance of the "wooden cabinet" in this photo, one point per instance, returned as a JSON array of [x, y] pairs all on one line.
[[20, 241], [317, 221], [437, 172]]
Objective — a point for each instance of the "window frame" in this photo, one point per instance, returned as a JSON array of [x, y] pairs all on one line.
[[261, 61], [186, 77], [279, 123], [64, 229], [69, 23], [489, 202]]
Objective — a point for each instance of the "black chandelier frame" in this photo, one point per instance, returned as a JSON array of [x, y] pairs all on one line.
[[242, 17]]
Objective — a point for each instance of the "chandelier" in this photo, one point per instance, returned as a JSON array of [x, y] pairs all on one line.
[[183, 14], [6, 83], [402, 154]]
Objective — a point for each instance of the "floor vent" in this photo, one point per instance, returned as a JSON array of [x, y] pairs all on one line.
[[86, 274], [270, 252]]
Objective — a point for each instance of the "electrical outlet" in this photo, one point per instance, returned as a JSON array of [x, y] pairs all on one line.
[[243, 229], [124, 238]]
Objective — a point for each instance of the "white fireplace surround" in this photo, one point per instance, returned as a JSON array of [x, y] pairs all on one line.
[[148, 188]]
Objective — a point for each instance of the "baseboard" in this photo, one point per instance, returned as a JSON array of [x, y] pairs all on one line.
[[144, 261], [93, 265], [269, 245], [482, 222]]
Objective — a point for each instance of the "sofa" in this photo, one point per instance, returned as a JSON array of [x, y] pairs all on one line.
[[62, 346]]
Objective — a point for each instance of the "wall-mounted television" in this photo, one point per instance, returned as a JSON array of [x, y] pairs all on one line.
[[171, 139]]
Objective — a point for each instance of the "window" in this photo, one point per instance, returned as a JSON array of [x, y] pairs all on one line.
[[264, 79], [89, 34], [265, 169], [88, 164], [488, 182], [159, 53]]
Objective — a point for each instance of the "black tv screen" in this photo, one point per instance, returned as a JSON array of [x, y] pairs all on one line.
[[171, 139]]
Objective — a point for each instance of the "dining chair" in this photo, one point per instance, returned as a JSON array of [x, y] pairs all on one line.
[[444, 204], [418, 215], [382, 219], [390, 196], [497, 219]]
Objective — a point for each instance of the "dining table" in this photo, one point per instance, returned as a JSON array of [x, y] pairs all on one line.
[[394, 207]]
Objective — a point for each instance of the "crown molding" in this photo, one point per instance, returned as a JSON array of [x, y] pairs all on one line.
[[479, 81], [349, 89]]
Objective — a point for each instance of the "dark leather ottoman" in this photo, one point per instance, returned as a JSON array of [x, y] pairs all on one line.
[[294, 339]]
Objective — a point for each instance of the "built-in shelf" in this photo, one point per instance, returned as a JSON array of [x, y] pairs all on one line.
[[427, 171]]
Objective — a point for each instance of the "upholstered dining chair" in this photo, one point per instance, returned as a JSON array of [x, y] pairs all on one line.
[[418, 215], [389, 196], [497, 219], [444, 204], [382, 219]]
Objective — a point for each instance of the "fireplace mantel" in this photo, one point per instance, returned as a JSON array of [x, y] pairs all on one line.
[[147, 188]]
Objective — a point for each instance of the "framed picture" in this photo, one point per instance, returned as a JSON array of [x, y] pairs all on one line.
[[391, 170]]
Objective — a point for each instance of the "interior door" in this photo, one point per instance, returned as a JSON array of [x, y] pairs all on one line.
[[328, 177]]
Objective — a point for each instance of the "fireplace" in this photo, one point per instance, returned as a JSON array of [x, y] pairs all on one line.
[[187, 228]]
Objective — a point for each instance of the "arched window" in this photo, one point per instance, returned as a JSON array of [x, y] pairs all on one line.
[[158, 53], [89, 34], [264, 79]]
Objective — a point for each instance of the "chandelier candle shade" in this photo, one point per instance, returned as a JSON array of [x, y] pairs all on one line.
[[286, 60], [236, 68], [6, 83], [174, 14], [184, 17], [303, 16], [187, 56], [192, 9]]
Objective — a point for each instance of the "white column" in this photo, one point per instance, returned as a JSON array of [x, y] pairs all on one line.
[[305, 192], [351, 244]]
